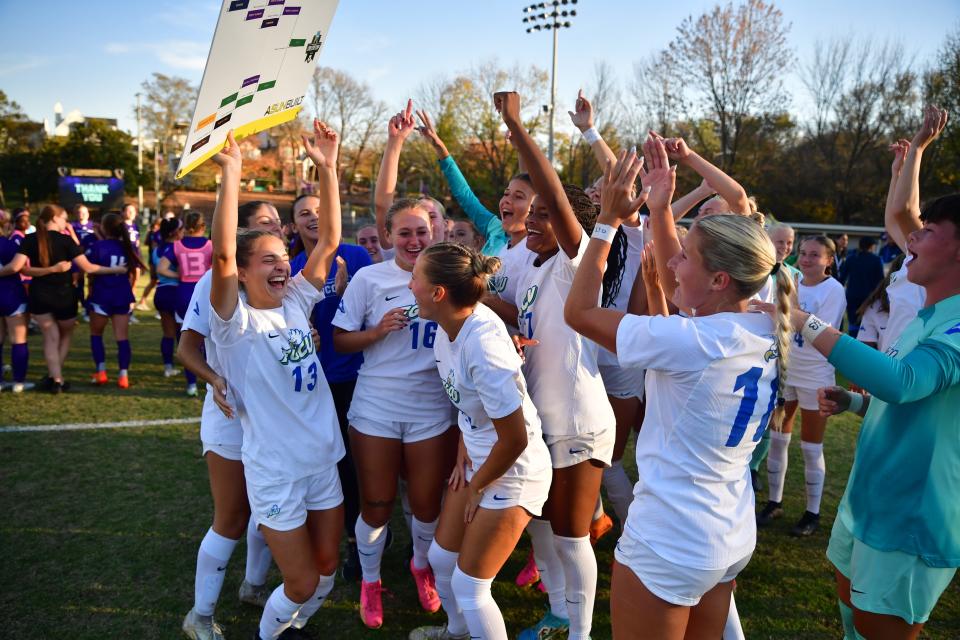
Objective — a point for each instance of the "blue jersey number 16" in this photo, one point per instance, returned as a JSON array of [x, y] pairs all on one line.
[[429, 334], [748, 381]]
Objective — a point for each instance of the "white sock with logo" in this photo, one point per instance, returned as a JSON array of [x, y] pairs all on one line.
[[277, 614], [422, 535], [370, 543], [814, 473], [580, 576], [310, 607], [483, 616], [548, 563], [212, 558], [444, 563], [777, 464]]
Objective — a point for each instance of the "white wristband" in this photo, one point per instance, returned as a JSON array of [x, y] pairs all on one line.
[[856, 402], [604, 232], [591, 135], [812, 327]]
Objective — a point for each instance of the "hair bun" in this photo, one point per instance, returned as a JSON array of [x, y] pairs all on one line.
[[484, 265]]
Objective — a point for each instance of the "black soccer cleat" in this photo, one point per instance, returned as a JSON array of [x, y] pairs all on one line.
[[808, 525], [769, 513]]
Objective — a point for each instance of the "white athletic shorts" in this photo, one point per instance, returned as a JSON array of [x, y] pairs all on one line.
[[668, 581], [806, 396], [405, 431], [284, 506], [529, 492], [566, 451], [622, 382], [218, 433]]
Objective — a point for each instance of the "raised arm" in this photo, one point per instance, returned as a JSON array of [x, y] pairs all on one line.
[[323, 151], [902, 216], [661, 178], [682, 205], [398, 128], [582, 118], [582, 311], [225, 286], [656, 301], [726, 187], [545, 180]]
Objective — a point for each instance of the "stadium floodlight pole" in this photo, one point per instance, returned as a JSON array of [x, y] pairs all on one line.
[[554, 20], [139, 159]]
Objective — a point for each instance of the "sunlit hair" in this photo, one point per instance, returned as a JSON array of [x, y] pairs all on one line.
[[461, 270], [741, 248], [585, 209], [249, 209], [442, 210], [246, 241], [402, 204]]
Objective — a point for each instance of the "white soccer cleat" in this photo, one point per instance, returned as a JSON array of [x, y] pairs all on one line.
[[20, 387], [171, 372], [254, 594], [436, 633], [192, 390], [197, 627]]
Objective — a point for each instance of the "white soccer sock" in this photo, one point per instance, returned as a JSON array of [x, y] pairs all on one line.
[[548, 563], [814, 473], [258, 555], [310, 607], [370, 543], [580, 576], [277, 614], [733, 630], [212, 558], [598, 510], [443, 563], [619, 489], [479, 608], [422, 535], [777, 464], [405, 503]]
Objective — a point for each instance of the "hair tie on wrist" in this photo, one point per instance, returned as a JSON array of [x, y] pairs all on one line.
[[776, 268]]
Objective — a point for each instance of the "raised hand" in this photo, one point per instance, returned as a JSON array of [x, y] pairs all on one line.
[[648, 267], [582, 117], [619, 180], [343, 276], [507, 104], [660, 177], [677, 149], [899, 149], [402, 125], [229, 158], [934, 120], [323, 148], [429, 132]]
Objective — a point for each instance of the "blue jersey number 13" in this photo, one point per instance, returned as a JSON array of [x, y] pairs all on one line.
[[748, 381], [311, 380]]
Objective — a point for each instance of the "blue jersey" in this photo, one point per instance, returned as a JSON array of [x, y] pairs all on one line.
[[337, 367], [160, 250], [110, 290], [12, 294]]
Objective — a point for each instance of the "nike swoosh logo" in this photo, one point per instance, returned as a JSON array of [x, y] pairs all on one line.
[[365, 554], [273, 335], [574, 452], [221, 568], [419, 537], [281, 621], [496, 497], [389, 298], [856, 590], [571, 601]]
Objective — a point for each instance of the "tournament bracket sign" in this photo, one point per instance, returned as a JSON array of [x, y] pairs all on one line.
[[96, 188], [260, 64]]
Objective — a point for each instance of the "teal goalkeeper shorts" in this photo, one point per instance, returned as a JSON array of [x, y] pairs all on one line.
[[886, 582]]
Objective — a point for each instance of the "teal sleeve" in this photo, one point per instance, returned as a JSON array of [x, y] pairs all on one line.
[[487, 223], [931, 367]]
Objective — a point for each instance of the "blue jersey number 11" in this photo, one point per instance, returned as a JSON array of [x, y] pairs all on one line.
[[748, 381]]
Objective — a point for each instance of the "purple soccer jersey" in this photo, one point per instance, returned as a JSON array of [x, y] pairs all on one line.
[[12, 294], [113, 291]]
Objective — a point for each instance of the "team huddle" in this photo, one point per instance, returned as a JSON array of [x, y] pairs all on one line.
[[492, 381]]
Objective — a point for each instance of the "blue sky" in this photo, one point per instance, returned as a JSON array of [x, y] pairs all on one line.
[[93, 55]]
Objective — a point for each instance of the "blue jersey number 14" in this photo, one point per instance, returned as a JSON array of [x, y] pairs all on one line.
[[748, 381]]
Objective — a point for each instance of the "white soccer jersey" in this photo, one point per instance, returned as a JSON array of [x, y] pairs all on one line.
[[514, 261], [711, 388], [290, 427], [631, 271], [561, 371], [808, 368], [215, 428], [397, 381], [481, 374], [873, 323], [906, 299]]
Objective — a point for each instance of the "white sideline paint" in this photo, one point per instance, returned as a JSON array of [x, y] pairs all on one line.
[[83, 426]]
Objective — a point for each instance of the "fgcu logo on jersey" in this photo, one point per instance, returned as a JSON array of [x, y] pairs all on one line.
[[497, 284], [450, 386], [529, 298], [772, 353], [273, 512], [410, 312], [301, 346]]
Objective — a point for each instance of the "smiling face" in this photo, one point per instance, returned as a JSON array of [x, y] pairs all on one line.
[[438, 224], [594, 190], [540, 236], [515, 205], [694, 281], [266, 273], [368, 239], [410, 234], [813, 260], [936, 253], [782, 239], [306, 215], [465, 234], [424, 292]]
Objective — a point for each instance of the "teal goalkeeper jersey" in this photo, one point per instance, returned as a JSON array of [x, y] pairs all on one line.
[[904, 489]]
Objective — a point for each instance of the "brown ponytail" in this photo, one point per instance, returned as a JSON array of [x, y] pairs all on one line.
[[461, 270], [47, 214]]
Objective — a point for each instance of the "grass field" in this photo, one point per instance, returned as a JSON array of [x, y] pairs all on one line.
[[102, 527]]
